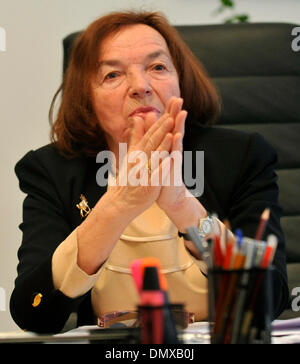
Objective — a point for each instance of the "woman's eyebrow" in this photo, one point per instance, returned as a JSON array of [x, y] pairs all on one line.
[[110, 62], [157, 54], [149, 57]]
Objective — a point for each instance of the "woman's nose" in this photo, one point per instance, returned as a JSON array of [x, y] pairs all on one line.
[[139, 86]]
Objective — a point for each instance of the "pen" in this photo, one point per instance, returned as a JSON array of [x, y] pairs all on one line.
[[225, 289], [250, 250], [169, 325], [138, 268], [260, 250], [151, 308], [217, 252], [229, 253], [235, 261], [239, 237], [272, 242], [232, 292], [265, 255]]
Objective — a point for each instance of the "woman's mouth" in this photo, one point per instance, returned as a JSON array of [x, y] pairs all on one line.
[[143, 111]]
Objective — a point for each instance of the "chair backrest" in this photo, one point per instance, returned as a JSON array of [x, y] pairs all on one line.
[[258, 76]]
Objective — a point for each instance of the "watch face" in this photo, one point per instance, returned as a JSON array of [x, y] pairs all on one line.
[[206, 227]]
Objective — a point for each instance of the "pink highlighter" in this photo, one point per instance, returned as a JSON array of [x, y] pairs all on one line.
[[137, 272], [159, 321]]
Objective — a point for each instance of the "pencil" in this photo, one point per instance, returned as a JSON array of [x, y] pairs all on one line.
[[263, 223], [226, 222]]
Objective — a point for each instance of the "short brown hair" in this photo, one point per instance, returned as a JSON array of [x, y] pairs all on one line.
[[76, 129]]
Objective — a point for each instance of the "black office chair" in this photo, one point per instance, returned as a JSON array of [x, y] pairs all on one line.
[[258, 76]]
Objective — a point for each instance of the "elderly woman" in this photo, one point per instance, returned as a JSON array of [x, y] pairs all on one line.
[[132, 81]]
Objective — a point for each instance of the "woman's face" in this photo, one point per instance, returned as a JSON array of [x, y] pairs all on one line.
[[136, 76]]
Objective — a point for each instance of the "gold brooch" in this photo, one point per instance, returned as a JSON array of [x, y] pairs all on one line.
[[37, 300], [83, 206]]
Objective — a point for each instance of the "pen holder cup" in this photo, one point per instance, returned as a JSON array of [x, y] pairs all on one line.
[[240, 306]]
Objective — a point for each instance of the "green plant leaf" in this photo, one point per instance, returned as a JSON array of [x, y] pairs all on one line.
[[241, 18], [228, 3], [229, 21]]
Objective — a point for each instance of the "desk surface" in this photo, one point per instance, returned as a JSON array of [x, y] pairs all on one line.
[[283, 332]]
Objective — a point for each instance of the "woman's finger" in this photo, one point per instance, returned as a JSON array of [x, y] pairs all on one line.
[[177, 142], [160, 168], [176, 107], [136, 130], [180, 122], [170, 103], [166, 144], [151, 119], [157, 133]]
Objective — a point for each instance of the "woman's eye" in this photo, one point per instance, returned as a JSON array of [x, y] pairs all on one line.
[[159, 67], [111, 76]]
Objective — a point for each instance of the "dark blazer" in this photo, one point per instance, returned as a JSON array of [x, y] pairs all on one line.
[[239, 183]]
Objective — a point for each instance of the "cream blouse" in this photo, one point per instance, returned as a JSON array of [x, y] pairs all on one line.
[[151, 234]]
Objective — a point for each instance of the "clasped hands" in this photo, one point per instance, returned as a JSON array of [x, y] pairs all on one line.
[[153, 141]]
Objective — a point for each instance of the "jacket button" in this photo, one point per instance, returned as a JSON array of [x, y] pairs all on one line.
[[37, 299]]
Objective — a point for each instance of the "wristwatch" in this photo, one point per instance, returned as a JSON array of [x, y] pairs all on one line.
[[205, 227]]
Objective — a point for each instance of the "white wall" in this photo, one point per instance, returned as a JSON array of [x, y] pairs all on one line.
[[30, 73]]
